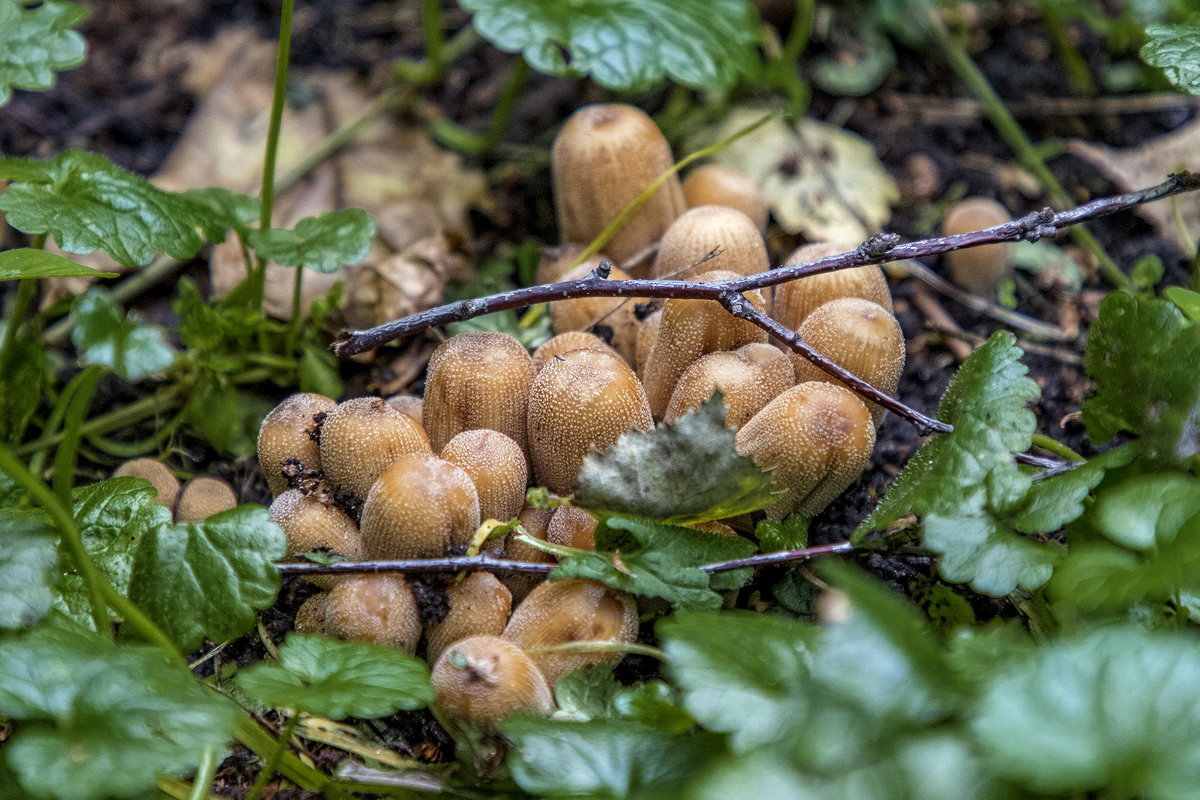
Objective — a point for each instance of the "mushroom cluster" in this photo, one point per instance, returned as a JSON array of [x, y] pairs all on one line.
[[194, 501], [411, 477]]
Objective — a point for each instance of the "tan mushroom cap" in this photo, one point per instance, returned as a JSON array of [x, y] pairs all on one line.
[[362, 437], [571, 526], [310, 617], [859, 335], [421, 507], [377, 609], [647, 335], [611, 318], [795, 300], [496, 465], [407, 404], [477, 380], [484, 679], [603, 158], [709, 238], [979, 270], [690, 329], [159, 475], [202, 497], [479, 606], [287, 433], [565, 343], [535, 521], [312, 524], [818, 437], [749, 378], [582, 400], [571, 610], [723, 185]]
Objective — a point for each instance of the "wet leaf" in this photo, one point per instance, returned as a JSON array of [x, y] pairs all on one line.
[[1176, 48], [105, 336], [27, 262], [28, 567], [322, 243], [35, 43]]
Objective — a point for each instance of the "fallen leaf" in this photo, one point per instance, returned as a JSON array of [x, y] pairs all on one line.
[[820, 180], [1147, 164]]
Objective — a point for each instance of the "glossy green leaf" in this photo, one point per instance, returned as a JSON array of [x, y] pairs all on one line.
[[28, 567], [1059, 499], [112, 516], [656, 560], [87, 203], [1118, 711], [608, 758], [336, 679], [1176, 49], [22, 375], [35, 43], [96, 721], [1186, 300], [1135, 352], [679, 472], [198, 579], [626, 44], [788, 534], [103, 335], [322, 243], [228, 417], [26, 262], [1146, 510]]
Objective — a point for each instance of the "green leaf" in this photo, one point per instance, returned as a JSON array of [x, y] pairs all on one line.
[[1146, 510], [1176, 49], [97, 721], [103, 335], [22, 374], [1058, 500], [336, 679], [1135, 349], [112, 516], [37, 42], [679, 472], [743, 674], [790, 534], [1187, 301], [584, 694], [966, 485], [28, 567], [233, 210], [227, 417], [322, 243], [209, 578], [318, 371], [26, 262], [625, 44], [607, 758], [656, 560], [87, 203], [1118, 710]]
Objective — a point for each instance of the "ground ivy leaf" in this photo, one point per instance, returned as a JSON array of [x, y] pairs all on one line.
[[1146, 510], [27, 262], [1176, 49], [322, 243], [679, 472], [209, 578], [28, 567], [658, 560], [743, 674], [604, 758], [626, 44], [97, 721], [87, 203], [789, 534], [105, 336], [232, 210], [37, 42], [113, 516], [1058, 500], [1118, 710], [1135, 349], [333, 679]]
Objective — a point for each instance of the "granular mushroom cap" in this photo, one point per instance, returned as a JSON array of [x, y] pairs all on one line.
[[614, 315], [484, 679], [496, 465], [311, 524], [287, 433], [723, 185], [708, 238], [421, 507], [159, 475], [377, 609], [795, 300], [749, 378], [362, 437], [479, 606], [203, 496], [979, 270]]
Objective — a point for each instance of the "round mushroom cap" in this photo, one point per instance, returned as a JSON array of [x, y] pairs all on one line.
[[421, 507], [288, 433], [484, 679], [496, 465], [202, 497], [362, 437], [159, 475]]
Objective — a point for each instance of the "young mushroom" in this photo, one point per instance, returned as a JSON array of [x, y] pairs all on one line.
[[795, 300], [610, 318], [749, 378], [287, 434], [573, 527], [421, 507], [565, 343], [484, 679], [979, 270], [723, 185], [362, 437], [159, 475], [313, 524], [496, 465], [580, 400], [710, 238], [603, 158], [818, 437], [202, 497], [378, 609], [859, 335], [477, 380], [479, 606], [535, 522]]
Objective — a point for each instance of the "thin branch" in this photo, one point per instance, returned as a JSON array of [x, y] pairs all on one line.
[[486, 563]]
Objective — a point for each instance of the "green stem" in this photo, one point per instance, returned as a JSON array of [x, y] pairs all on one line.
[[435, 50], [160, 269], [1082, 82], [294, 323], [68, 450], [122, 417], [272, 762], [62, 519], [26, 292], [478, 144], [204, 774], [267, 198], [1056, 447], [1012, 133], [800, 31]]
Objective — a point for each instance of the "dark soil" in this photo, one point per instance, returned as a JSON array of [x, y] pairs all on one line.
[[129, 104]]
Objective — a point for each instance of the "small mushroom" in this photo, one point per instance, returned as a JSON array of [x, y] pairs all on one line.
[[362, 437], [287, 433], [979, 270], [408, 404], [611, 318], [710, 238], [573, 527], [749, 378], [484, 679], [202, 497], [312, 524], [496, 466], [377, 609], [565, 343], [795, 300], [159, 475], [535, 521], [479, 606], [421, 507], [723, 185]]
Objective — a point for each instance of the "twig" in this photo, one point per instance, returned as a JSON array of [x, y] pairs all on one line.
[[876, 250], [486, 563]]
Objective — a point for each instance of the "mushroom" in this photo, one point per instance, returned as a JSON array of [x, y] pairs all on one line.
[[496, 465], [723, 185], [479, 606], [979, 270], [310, 524], [159, 474], [535, 522], [565, 343], [710, 238], [362, 437], [287, 433], [749, 378], [573, 527], [202, 497], [795, 300], [484, 679], [377, 609], [421, 507], [610, 318]]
